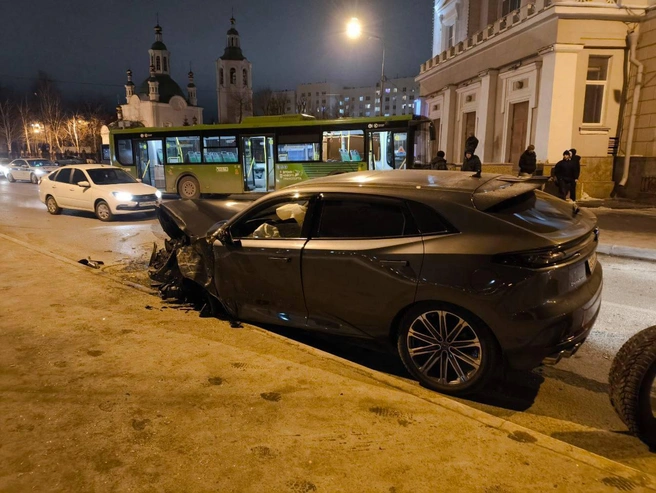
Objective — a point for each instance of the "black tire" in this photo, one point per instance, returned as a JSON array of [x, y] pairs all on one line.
[[188, 188], [473, 349], [631, 382], [34, 179], [10, 178], [52, 206], [103, 212]]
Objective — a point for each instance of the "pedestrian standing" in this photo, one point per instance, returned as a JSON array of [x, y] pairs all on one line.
[[471, 143], [471, 162], [438, 163], [576, 166], [527, 162], [564, 173]]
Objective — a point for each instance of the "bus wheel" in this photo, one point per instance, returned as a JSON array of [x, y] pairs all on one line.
[[188, 188]]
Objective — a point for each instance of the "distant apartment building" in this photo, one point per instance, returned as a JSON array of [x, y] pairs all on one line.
[[329, 100], [544, 72]]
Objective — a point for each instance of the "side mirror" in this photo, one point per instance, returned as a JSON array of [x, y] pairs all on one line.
[[84, 184], [224, 236]]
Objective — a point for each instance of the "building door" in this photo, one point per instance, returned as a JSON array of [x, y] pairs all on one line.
[[258, 167], [468, 127], [518, 130]]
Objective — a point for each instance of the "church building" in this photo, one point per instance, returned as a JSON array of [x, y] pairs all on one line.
[[159, 101], [234, 82]]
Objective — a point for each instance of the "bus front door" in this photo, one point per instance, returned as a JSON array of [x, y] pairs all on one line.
[[387, 149], [258, 163], [149, 161]]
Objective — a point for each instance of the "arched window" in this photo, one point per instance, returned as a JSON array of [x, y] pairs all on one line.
[[166, 65], [221, 76], [158, 64], [233, 76], [245, 77]]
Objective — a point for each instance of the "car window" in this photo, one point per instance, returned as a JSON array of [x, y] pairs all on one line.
[[428, 220], [110, 176], [53, 176], [38, 163], [364, 217], [78, 176], [64, 175], [280, 219]]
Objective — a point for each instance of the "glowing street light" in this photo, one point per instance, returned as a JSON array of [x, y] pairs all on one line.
[[354, 28]]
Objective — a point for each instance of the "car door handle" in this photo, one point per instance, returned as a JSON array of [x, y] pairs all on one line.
[[395, 263], [281, 259]]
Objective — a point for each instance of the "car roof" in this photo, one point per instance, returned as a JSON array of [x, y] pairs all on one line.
[[92, 166], [457, 181]]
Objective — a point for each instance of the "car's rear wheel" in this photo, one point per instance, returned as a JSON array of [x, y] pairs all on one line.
[[52, 206], [34, 179], [103, 212], [11, 178], [188, 188], [447, 348]]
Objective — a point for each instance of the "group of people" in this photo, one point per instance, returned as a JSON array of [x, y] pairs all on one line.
[[471, 161]]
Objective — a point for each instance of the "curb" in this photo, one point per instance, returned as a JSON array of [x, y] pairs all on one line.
[[553, 445], [635, 253]]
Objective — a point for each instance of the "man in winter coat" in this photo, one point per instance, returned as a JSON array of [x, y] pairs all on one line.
[[439, 163], [527, 162], [576, 165], [471, 143], [564, 172], [471, 162]]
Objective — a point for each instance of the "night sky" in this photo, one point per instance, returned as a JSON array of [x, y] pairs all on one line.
[[86, 45]]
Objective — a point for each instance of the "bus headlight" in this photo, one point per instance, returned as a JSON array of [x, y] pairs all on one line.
[[123, 196]]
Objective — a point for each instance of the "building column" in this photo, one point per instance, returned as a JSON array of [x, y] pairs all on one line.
[[555, 120], [449, 122], [486, 115]]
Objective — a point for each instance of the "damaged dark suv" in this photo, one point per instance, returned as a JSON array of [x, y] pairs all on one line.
[[460, 273]]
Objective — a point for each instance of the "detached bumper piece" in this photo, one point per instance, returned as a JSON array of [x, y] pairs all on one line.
[[565, 353]]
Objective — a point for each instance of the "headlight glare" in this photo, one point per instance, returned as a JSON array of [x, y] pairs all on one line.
[[158, 194], [124, 196]]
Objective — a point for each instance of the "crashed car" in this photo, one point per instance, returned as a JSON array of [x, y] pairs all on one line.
[[459, 273]]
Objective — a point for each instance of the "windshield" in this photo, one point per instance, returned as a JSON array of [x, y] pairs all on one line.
[[109, 176], [422, 144], [38, 163]]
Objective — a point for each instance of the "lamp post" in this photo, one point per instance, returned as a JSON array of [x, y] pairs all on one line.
[[354, 31]]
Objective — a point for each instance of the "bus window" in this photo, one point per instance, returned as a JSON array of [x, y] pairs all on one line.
[[220, 149], [124, 153], [343, 146], [424, 134], [299, 148], [183, 149], [400, 150]]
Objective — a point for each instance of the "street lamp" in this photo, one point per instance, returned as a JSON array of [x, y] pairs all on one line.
[[354, 31]]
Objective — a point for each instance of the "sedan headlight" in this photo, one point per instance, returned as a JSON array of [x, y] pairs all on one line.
[[39, 172], [123, 196], [158, 194]]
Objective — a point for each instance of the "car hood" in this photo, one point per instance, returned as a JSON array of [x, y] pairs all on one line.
[[195, 217]]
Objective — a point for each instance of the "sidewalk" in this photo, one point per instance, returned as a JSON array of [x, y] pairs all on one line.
[[627, 229], [106, 388]]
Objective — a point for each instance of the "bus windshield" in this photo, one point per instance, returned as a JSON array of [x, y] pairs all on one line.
[[422, 149]]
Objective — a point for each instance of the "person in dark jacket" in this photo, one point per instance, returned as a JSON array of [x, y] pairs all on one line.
[[471, 162], [439, 163], [527, 162], [564, 173], [576, 165], [471, 143]]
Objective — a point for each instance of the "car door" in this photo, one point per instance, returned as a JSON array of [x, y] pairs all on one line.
[[60, 188], [258, 272], [361, 265], [18, 170], [80, 197]]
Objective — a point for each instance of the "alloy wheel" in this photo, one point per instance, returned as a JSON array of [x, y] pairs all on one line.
[[444, 347]]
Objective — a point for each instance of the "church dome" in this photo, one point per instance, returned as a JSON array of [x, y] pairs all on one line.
[[167, 87]]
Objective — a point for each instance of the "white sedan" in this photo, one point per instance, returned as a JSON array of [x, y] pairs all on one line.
[[103, 189], [29, 169]]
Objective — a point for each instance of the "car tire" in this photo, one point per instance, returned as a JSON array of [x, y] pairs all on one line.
[[52, 206], [34, 179], [103, 212], [461, 366], [188, 188], [631, 380], [10, 178]]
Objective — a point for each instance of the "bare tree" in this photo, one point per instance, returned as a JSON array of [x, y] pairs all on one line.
[[10, 124], [50, 111], [25, 114], [262, 101], [241, 104]]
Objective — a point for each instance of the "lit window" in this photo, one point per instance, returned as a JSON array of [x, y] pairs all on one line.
[[361, 98], [387, 90], [396, 89], [595, 87], [368, 105]]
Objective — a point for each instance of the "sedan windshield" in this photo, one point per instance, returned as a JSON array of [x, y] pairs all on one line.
[[41, 162], [108, 176]]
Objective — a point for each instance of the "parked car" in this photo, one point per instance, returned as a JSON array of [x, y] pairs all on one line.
[[458, 273], [4, 166], [29, 169], [106, 190]]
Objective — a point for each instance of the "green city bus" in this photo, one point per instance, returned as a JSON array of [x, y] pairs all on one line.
[[268, 152]]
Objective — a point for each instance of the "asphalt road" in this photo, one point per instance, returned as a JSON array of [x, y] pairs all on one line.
[[568, 402]]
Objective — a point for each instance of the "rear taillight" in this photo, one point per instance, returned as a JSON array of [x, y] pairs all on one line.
[[534, 259]]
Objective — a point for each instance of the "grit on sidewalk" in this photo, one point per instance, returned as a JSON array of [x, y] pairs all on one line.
[[106, 388]]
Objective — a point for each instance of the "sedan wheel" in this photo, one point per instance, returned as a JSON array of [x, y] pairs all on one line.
[[52, 206], [103, 212], [11, 178], [34, 179], [447, 349]]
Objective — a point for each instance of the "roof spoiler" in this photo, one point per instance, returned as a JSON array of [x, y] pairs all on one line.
[[502, 188]]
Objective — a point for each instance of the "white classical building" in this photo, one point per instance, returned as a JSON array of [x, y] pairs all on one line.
[[159, 100], [234, 81], [544, 72]]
